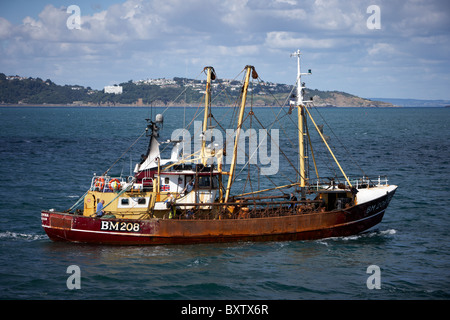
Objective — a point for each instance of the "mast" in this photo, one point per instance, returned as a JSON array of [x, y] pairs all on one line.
[[302, 110], [210, 75], [301, 125], [238, 130]]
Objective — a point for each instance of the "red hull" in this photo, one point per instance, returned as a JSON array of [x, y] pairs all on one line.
[[68, 227]]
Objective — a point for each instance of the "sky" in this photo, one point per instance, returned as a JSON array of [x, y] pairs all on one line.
[[369, 48]]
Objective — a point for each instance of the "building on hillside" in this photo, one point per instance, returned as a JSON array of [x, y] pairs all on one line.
[[113, 89]]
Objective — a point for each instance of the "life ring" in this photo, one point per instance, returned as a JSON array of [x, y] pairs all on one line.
[[99, 183], [114, 184]]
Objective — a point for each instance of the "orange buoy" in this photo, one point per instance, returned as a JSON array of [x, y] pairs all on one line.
[[99, 183], [114, 184]]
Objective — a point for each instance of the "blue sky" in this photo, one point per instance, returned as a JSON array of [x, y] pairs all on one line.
[[407, 57]]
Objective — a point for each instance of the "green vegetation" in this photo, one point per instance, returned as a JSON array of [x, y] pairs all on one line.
[[37, 91], [20, 90]]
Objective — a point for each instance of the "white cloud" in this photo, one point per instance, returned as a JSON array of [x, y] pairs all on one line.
[[414, 18], [163, 38], [5, 28], [281, 39], [291, 2], [382, 49], [235, 51]]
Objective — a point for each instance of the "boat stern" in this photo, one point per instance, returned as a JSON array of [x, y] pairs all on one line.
[[56, 224]]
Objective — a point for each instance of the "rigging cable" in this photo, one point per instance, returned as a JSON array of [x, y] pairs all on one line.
[[125, 152], [343, 145]]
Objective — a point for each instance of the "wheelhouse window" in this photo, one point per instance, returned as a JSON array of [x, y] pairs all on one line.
[[205, 182], [134, 202]]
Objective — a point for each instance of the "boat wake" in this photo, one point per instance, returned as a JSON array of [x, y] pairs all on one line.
[[8, 235], [364, 235], [370, 234]]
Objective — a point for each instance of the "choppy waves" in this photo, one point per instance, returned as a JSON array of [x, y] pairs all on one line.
[[381, 234], [370, 234], [8, 235], [50, 164]]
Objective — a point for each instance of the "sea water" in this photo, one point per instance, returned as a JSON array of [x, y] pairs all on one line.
[[48, 157]]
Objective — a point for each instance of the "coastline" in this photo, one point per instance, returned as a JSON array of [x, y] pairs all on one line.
[[180, 105]]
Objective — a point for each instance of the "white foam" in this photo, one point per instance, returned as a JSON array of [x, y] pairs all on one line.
[[21, 236], [370, 234], [389, 231], [362, 235]]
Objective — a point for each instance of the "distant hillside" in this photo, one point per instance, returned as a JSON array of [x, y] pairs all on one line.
[[416, 102], [342, 99], [16, 90]]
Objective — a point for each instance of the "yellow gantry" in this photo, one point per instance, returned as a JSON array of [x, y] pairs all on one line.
[[210, 75], [250, 69], [301, 145], [329, 149]]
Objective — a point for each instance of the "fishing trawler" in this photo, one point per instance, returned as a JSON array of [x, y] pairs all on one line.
[[188, 198]]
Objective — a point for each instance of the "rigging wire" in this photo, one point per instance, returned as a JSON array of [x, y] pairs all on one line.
[[247, 164], [342, 144], [106, 172], [179, 95], [278, 116]]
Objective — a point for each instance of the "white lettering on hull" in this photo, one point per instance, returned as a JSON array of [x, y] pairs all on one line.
[[120, 226]]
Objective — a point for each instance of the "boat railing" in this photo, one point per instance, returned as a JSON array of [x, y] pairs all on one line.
[[147, 184], [366, 182], [105, 183], [335, 183]]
